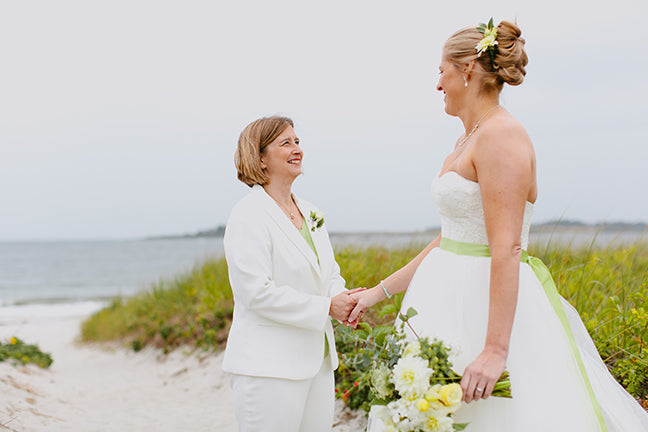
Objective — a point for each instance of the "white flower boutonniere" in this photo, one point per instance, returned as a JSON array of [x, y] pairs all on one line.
[[316, 219]]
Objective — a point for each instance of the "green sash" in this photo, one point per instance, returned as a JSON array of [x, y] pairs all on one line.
[[544, 276]]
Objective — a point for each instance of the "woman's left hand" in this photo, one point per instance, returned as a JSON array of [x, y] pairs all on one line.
[[481, 375]]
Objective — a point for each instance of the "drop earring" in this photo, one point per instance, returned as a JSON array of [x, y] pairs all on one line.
[[465, 81]]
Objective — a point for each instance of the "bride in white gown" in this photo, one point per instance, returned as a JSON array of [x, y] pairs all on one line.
[[475, 287]]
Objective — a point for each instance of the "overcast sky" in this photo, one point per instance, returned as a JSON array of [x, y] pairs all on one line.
[[119, 118]]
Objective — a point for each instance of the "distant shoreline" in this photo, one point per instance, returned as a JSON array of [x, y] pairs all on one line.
[[557, 225]]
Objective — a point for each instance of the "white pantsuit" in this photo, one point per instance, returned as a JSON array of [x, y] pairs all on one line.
[[282, 295]]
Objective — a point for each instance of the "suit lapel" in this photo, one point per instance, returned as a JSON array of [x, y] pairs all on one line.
[[319, 239], [286, 226]]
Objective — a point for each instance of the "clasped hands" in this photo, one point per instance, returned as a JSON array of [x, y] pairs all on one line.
[[349, 307]]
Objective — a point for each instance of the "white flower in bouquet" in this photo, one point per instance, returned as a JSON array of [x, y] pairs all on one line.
[[438, 424], [411, 377], [412, 384], [380, 381], [412, 349]]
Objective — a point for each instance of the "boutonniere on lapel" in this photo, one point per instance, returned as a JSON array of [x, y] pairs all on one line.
[[316, 220]]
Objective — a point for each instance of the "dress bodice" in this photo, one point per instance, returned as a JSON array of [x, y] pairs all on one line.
[[462, 213]]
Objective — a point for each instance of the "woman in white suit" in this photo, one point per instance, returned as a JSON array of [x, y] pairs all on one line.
[[287, 286]]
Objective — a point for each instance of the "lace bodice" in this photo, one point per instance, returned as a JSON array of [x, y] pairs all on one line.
[[462, 213]]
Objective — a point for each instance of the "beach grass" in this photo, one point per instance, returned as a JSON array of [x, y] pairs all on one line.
[[607, 285], [193, 309], [609, 288]]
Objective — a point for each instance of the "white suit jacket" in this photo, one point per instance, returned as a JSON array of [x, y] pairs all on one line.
[[281, 293]]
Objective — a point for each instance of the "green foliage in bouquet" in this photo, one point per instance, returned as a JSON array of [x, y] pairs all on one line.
[[15, 349], [368, 356], [409, 381]]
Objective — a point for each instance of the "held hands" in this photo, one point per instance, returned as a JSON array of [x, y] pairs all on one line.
[[364, 300], [480, 376], [350, 306], [342, 305]]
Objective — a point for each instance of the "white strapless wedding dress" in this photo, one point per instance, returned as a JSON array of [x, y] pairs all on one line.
[[451, 294]]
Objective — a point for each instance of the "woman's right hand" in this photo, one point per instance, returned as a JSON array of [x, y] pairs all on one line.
[[365, 299]]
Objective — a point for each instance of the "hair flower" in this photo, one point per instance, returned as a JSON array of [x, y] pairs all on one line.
[[489, 42]]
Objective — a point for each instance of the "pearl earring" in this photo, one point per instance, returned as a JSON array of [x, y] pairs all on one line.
[[465, 81]]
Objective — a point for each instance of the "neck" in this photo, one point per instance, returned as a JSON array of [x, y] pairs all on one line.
[[280, 191], [476, 111]]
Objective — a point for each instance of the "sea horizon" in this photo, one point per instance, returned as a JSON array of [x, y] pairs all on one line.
[[55, 273]]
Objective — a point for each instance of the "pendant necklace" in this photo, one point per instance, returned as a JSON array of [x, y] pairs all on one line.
[[475, 127], [292, 216]]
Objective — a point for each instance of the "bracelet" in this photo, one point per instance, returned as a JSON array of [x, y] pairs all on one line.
[[385, 290]]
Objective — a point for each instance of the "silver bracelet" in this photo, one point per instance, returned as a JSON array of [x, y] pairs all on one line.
[[385, 290]]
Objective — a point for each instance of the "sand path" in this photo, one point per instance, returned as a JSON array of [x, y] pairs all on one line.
[[95, 389]]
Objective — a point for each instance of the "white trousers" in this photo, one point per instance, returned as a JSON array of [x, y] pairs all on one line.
[[281, 405]]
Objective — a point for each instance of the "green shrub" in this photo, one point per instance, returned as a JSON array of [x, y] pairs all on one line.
[[608, 287], [193, 309], [17, 350]]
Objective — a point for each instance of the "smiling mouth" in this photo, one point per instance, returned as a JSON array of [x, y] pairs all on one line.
[[295, 162]]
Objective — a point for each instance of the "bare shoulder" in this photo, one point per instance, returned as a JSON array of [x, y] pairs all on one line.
[[503, 130], [503, 135]]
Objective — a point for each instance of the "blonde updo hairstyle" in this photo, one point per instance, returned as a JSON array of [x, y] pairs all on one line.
[[251, 145], [510, 58]]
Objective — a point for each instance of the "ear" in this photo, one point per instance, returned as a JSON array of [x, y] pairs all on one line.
[[469, 67]]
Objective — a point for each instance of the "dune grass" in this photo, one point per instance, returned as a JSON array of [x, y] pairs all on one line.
[[193, 309], [608, 286]]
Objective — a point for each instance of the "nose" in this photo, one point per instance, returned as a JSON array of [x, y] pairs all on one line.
[[438, 86]]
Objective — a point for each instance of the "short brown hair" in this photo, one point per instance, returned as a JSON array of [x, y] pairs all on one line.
[[508, 65], [253, 140]]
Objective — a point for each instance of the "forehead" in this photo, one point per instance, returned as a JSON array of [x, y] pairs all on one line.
[[444, 61], [289, 132]]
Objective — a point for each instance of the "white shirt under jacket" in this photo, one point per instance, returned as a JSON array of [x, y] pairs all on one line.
[[281, 293]]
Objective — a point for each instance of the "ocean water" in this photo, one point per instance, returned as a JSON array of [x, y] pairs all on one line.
[[68, 272], [63, 277]]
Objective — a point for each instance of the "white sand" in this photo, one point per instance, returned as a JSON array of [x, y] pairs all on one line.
[[92, 389]]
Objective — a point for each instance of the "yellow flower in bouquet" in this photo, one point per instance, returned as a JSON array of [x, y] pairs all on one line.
[[451, 394], [414, 383], [422, 405]]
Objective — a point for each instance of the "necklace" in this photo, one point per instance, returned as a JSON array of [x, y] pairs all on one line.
[[467, 137], [292, 216]]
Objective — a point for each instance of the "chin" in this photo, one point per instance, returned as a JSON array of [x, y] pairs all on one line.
[[450, 111], [296, 173]]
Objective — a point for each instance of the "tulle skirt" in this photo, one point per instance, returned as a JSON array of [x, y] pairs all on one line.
[[451, 294]]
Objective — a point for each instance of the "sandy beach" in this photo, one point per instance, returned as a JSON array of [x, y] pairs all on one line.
[[97, 388]]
